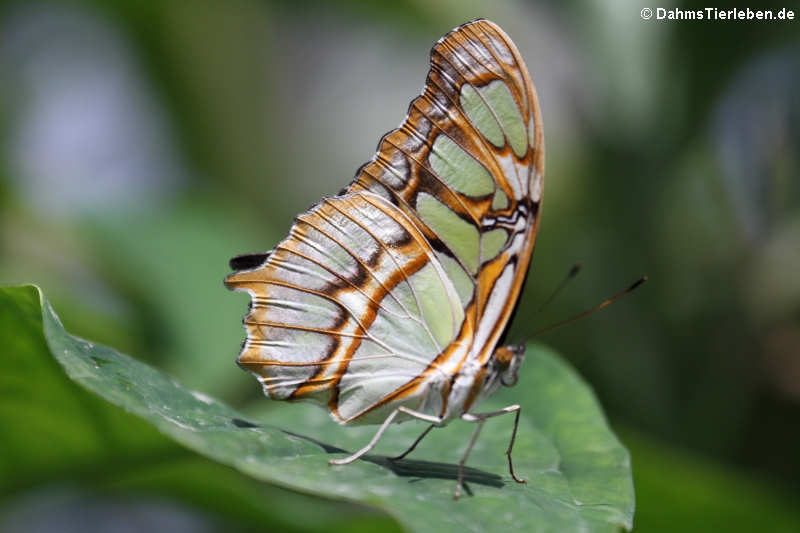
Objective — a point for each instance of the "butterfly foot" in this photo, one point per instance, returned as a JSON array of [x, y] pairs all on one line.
[[461, 487], [511, 463], [345, 461]]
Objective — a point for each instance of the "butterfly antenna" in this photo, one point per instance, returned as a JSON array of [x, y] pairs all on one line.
[[592, 310], [571, 274]]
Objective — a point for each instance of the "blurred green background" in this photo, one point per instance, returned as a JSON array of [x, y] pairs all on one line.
[[142, 144]]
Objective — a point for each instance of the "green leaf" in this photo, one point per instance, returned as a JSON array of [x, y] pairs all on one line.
[[48, 424], [55, 433], [578, 474]]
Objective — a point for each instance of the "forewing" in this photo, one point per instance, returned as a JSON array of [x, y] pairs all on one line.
[[466, 165]]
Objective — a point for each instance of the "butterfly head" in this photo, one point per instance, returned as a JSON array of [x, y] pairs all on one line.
[[508, 360]]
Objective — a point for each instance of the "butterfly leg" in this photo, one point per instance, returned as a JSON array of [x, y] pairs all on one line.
[[414, 445], [481, 417], [460, 482], [434, 420]]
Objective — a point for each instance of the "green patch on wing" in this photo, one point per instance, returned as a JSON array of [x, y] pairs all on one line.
[[500, 200], [460, 279], [459, 235], [441, 308], [492, 242], [500, 99], [458, 169], [481, 116]]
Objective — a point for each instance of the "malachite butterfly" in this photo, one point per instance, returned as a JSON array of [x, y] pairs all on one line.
[[388, 301]]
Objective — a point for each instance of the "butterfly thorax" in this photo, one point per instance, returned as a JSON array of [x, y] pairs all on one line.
[[476, 382], [507, 360]]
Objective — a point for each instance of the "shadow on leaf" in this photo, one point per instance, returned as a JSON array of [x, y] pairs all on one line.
[[416, 468]]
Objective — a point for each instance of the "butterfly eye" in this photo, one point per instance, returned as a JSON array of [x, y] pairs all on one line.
[[503, 357]]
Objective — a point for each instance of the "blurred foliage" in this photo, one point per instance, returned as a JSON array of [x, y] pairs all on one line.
[[673, 151], [677, 490]]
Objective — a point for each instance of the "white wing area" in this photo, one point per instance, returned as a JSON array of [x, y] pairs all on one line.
[[351, 307]]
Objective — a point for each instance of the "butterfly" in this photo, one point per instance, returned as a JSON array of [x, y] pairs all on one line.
[[388, 301]]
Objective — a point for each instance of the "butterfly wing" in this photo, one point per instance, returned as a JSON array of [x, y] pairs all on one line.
[[351, 305], [467, 165], [380, 295]]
